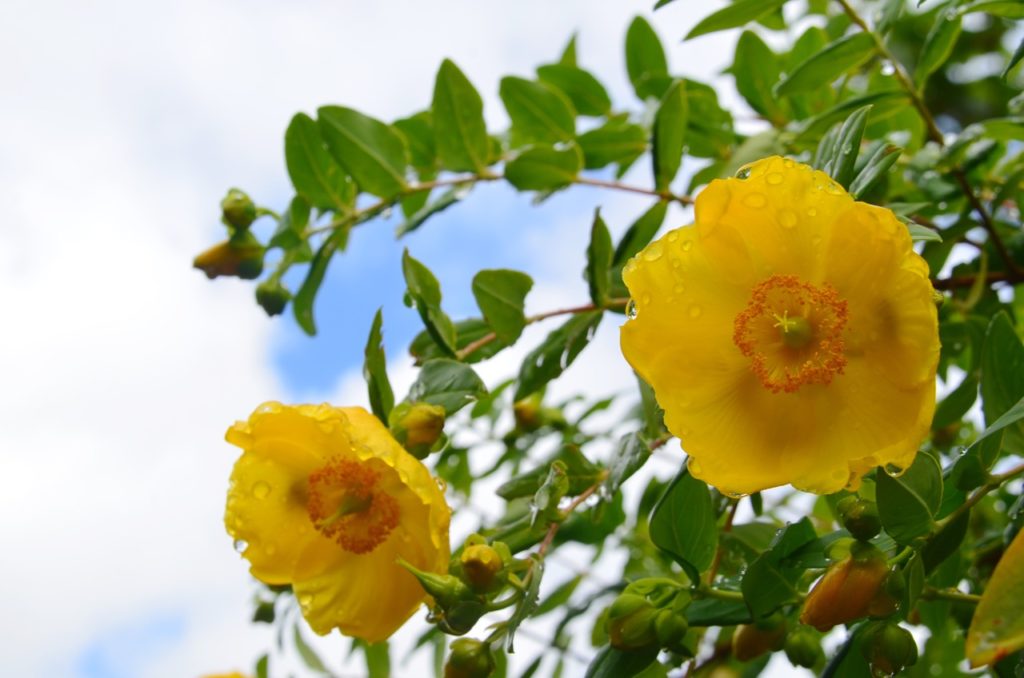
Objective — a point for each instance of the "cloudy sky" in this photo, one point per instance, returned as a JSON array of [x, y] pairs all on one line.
[[122, 125]]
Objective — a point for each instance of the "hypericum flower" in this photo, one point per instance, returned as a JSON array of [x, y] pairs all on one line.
[[324, 499], [790, 334]]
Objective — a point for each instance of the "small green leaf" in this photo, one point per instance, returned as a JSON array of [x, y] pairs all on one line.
[[945, 542], [382, 398], [314, 173], [373, 153], [821, 69], [424, 347], [586, 93], [291, 229], [425, 292], [1018, 54], [615, 141], [874, 170], [841, 160], [734, 15], [527, 604], [713, 612], [1010, 9], [447, 383], [770, 581], [938, 45], [955, 405], [417, 219], [612, 663], [500, 294], [418, 131], [631, 453], [545, 168], [263, 666], [756, 69], [579, 471], [556, 352], [670, 134], [302, 303], [1002, 377], [640, 232], [907, 504], [922, 233], [308, 655], [683, 524], [539, 112], [599, 261], [458, 111], [568, 57], [645, 60]]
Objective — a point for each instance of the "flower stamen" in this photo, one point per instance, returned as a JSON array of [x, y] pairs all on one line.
[[347, 506]]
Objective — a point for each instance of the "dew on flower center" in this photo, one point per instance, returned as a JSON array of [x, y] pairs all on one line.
[[346, 505], [792, 331]]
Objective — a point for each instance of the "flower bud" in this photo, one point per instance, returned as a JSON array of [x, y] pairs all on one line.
[[631, 622], [240, 256], [889, 648], [469, 658], [860, 517], [527, 414], [480, 565], [417, 427], [272, 296], [461, 616], [670, 628], [851, 589], [445, 589], [238, 209], [803, 647], [753, 640]]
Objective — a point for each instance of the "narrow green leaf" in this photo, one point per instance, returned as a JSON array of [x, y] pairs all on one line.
[[640, 232], [586, 93], [545, 168], [938, 45], [425, 292], [631, 453], [884, 100], [302, 303], [907, 504], [612, 663], [500, 294], [712, 612], [875, 169], [314, 173], [382, 398], [373, 153], [922, 233], [734, 15], [556, 352], [645, 60], [670, 134], [1009, 9], [528, 603], [458, 111], [539, 112], [308, 655], [683, 524], [568, 57], [1018, 54], [955, 405], [1002, 378], [417, 219], [945, 542], [263, 666], [615, 141], [599, 260], [843, 158], [770, 581], [559, 596], [378, 659], [821, 69], [447, 383], [756, 69]]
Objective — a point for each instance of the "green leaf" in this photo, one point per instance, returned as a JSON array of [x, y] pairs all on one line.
[[378, 659], [458, 110], [314, 173], [382, 398], [821, 69], [291, 228], [734, 15], [586, 93], [882, 101], [997, 629], [500, 293], [710, 132], [842, 158], [568, 57], [373, 153], [308, 655], [424, 347], [1002, 377], [302, 303], [556, 352], [615, 141], [418, 131], [1018, 54], [713, 612], [640, 232], [770, 581], [907, 504], [447, 383], [425, 292], [653, 415], [945, 542], [994, 432], [559, 596], [922, 233], [443, 202], [580, 472], [630, 454], [645, 60], [670, 134], [1010, 9], [612, 663], [938, 45], [683, 524], [527, 604], [955, 405], [539, 112], [545, 168], [599, 260], [263, 666], [874, 170], [756, 69]]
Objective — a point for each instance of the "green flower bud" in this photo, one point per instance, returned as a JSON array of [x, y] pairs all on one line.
[[631, 622], [469, 658], [480, 566], [461, 616], [803, 647], [238, 209], [860, 517], [750, 641], [889, 648], [445, 589], [241, 257], [670, 628], [417, 427], [272, 296]]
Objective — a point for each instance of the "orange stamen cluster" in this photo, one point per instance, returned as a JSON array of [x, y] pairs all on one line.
[[347, 506], [759, 332]]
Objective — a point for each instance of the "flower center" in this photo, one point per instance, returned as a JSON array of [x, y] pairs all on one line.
[[347, 506], [792, 331]]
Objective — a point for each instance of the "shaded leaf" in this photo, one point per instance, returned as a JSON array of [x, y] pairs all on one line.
[[418, 218], [612, 663], [556, 352], [906, 504], [302, 303], [669, 134], [425, 292], [382, 398], [424, 347], [1002, 377], [500, 294], [828, 64], [447, 383], [683, 524], [770, 581], [599, 260], [938, 45], [615, 141], [756, 69]]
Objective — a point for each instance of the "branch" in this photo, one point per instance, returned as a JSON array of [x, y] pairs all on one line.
[[957, 282], [993, 483]]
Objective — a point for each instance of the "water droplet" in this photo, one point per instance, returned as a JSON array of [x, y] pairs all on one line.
[[441, 484], [811, 212], [834, 188], [743, 172], [787, 218], [653, 251], [646, 299], [754, 200], [260, 490], [679, 289], [676, 263], [694, 466], [774, 178], [240, 545], [687, 245], [894, 470], [631, 309], [386, 214], [695, 311], [461, 191], [787, 163], [672, 237], [270, 549], [305, 600], [888, 68]]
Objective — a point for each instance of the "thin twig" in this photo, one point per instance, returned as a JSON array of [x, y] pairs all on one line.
[[618, 186], [932, 593], [957, 282], [993, 483]]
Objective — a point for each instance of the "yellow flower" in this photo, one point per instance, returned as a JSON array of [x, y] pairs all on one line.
[[324, 499], [790, 334]]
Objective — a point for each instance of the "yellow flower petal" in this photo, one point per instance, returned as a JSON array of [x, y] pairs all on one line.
[[789, 335]]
